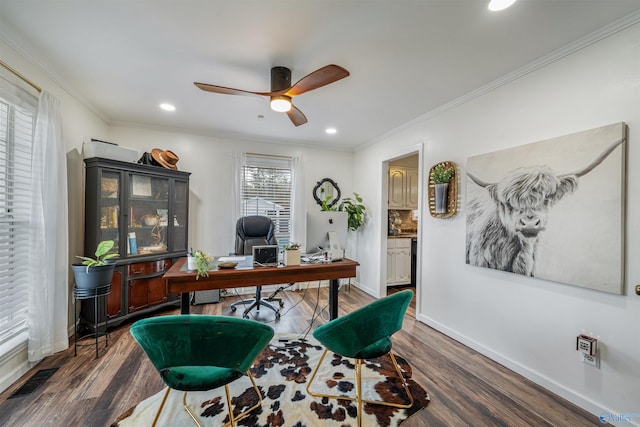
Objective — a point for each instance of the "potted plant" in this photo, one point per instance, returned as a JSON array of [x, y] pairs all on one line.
[[95, 272], [292, 254], [202, 263], [355, 209], [441, 174]]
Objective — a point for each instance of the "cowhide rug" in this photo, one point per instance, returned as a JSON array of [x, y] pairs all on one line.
[[281, 373]]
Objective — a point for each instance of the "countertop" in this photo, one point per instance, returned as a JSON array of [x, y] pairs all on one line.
[[404, 236]]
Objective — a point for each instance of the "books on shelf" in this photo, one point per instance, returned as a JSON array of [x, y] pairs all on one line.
[[133, 245]]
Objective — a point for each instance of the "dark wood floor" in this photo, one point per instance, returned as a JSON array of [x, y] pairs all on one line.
[[466, 388]]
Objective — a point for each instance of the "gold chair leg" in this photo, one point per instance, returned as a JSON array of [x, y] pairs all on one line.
[[404, 385], [358, 379], [330, 396], [232, 419], [194, 417], [314, 375], [164, 399], [359, 389]]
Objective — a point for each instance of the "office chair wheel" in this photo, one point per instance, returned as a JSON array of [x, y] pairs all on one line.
[[233, 309], [277, 315], [281, 303]]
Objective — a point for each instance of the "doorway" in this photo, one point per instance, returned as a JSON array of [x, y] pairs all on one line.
[[401, 213]]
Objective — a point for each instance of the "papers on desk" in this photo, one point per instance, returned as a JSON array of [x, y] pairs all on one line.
[[314, 259], [232, 258]]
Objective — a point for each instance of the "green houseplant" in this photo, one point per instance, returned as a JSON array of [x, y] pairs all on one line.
[[355, 209], [441, 175], [95, 272], [203, 263]]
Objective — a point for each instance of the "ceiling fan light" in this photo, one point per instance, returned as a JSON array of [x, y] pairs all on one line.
[[281, 103], [498, 5]]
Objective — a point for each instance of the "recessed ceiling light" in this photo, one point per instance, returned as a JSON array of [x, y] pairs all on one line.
[[331, 131], [497, 5], [167, 107]]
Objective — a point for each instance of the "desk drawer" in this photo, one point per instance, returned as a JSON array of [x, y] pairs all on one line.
[[142, 268]]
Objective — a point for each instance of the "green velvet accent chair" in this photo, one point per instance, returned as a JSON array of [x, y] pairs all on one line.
[[199, 353], [365, 334]]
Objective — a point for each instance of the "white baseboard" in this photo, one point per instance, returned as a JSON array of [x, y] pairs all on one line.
[[14, 362], [551, 385]]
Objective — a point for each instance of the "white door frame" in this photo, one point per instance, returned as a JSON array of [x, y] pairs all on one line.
[[384, 200]]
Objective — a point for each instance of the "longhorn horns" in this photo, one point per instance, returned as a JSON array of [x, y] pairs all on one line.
[[578, 173]]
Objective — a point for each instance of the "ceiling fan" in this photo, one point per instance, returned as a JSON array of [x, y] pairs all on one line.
[[282, 91]]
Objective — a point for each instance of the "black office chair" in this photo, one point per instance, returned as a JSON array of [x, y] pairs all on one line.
[[253, 231]]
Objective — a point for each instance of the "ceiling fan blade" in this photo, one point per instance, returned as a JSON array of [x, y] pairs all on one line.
[[296, 116], [321, 77], [227, 90]]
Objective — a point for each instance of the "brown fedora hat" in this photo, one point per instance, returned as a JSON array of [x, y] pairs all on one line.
[[166, 158]]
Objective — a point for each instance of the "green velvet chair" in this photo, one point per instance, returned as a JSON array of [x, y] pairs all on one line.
[[365, 334], [199, 353]]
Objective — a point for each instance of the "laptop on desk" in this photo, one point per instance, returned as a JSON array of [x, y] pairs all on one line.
[[266, 255]]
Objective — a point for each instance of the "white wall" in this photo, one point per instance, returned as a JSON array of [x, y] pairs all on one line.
[[211, 226], [529, 325]]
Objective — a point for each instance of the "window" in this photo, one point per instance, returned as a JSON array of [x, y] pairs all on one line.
[[17, 121], [266, 189]]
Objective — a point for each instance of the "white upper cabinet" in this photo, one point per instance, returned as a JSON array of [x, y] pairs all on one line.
[[403, 188]]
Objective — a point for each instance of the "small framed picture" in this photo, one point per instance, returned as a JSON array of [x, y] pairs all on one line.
[[164, 217], [140, 186], [109, 187]]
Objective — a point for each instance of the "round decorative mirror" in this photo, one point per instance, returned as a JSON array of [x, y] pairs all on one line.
[[326, 190]]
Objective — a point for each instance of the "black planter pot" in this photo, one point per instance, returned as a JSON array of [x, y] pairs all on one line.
[[96, 277]]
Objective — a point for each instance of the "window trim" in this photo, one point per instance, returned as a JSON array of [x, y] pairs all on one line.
[[275, 163]]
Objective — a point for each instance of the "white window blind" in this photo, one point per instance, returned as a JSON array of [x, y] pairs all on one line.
[[17, 122], [266, 190]]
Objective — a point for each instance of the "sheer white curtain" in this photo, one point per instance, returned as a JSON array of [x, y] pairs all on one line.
[[238, 161], [298, 207], [48, 284]]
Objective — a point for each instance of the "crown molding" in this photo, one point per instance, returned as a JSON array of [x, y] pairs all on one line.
[[542, 62], [47, 70]]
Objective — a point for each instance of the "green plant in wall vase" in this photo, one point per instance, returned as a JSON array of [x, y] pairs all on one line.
[[441, 175]]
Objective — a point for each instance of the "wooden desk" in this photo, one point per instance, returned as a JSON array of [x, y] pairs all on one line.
[[179, 280]]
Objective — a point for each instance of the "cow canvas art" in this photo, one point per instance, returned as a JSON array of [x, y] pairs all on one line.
[[552, 209]]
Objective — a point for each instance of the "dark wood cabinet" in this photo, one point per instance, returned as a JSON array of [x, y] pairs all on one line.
[[114, 299], [145, 211], [146, 286]]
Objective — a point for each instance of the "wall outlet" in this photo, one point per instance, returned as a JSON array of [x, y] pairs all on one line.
[[587, 345], [591, 360]]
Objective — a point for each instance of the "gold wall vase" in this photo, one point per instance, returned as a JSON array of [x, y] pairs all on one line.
[[451, 207]]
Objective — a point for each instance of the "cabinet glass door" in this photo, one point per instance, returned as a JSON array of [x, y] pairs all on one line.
[[148, 215], [110, 207], [180, 216]]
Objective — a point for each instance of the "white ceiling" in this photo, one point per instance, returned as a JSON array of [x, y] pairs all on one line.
[[406, 57]]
